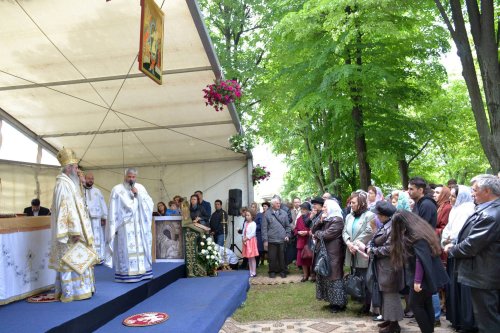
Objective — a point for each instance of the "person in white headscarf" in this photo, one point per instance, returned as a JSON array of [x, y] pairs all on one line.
[[458, 297], [329, 230]]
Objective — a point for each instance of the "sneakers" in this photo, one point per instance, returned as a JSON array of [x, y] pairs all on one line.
[[378, 318], [283, 275], [272, 275]]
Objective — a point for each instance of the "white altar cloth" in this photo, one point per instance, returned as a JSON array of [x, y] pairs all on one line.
[[24, 258]]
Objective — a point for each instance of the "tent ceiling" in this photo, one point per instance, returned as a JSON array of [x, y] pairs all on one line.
[[45, 75]]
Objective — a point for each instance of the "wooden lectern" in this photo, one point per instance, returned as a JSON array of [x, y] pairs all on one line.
[[192, 233]]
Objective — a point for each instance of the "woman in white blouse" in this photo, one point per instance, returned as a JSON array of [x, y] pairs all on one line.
[[458, 299]]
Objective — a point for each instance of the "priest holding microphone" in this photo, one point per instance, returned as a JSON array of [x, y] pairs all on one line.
[[128, 230]]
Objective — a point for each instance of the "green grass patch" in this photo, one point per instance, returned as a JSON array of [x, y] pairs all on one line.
[[287, 301]]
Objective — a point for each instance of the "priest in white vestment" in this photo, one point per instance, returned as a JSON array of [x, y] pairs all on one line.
[[98, 212], [70, 224], [128, 230]]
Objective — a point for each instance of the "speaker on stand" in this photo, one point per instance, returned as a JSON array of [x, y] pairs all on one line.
[[233, 209]]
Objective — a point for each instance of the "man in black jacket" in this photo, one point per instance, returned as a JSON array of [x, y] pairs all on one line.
[[425, 206], [477, 253], [36, 209], [216, 227]]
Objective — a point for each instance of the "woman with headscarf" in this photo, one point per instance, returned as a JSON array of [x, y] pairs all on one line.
[[402, 200], [358, 228], [329, 229], [374, 195], [458, 301], [444, 207]]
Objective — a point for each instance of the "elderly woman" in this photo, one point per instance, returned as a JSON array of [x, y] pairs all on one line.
[[358, 230], [458, 301], [390, 280], [329, 229]]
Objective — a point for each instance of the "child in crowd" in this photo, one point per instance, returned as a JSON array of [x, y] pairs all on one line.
[[173, 210], [250, 249]]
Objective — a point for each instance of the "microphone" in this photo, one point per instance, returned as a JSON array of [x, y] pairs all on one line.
[[132, 183]]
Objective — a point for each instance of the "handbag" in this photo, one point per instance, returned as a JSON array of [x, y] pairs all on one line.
[[306, 252], [355, 285], [322, 263], [372, 282]]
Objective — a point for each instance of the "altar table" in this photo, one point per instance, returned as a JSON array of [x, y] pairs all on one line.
[[24, 257]]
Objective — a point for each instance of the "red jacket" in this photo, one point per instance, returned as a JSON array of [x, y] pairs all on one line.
[[301, 240]]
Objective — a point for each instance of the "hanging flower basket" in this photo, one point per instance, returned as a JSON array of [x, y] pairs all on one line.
[[221, 92], [240, 143], [259, 173]]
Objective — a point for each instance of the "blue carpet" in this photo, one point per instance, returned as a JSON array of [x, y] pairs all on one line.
[[196, 305], [110, 300]]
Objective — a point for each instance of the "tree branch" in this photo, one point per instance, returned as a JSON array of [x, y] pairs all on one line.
[[419, 151], [445, 17]]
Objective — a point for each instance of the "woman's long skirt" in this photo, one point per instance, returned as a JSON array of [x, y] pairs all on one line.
[[331, 291], [392, 310]]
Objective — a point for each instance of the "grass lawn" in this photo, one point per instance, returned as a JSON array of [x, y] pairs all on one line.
[[287, 301]]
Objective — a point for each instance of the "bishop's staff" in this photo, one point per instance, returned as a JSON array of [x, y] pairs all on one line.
[[225, 260]]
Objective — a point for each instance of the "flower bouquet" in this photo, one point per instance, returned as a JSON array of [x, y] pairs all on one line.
[[209, 255], [259, 173], [221, 92]]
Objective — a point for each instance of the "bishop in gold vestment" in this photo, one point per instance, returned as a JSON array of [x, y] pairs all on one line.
[[70, 223]]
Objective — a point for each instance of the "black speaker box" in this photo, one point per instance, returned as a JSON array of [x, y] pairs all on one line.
[[234, 204]]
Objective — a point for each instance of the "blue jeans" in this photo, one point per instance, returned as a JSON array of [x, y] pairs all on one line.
[[220, 240], [436, 305]]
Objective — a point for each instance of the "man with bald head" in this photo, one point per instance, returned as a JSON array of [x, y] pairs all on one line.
[[98, 212]]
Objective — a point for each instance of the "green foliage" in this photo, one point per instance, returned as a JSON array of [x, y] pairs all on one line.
[[304, 65]]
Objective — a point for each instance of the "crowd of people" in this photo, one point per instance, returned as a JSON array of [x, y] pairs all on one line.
[[433, 246]]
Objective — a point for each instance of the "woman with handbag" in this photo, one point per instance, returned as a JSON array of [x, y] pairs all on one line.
[[327, 233], [389, 280], [357, 230], [416, 248], [304, 252]]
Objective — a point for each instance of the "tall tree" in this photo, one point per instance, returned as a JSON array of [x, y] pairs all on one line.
[[365, 69], [484, 91]]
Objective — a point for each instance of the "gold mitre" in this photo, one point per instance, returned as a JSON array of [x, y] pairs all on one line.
[[67, 156]]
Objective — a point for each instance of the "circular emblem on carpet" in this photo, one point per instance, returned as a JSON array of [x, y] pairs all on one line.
[[145, 319], [42, 298]]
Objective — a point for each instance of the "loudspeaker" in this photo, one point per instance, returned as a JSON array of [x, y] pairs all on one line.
[[234, 204]]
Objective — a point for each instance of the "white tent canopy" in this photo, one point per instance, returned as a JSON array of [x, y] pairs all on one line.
[[69, 77]]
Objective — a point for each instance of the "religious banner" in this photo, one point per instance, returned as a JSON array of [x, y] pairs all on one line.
[[151, 43]]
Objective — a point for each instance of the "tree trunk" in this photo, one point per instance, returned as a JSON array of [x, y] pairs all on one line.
[[315, 168], [334, 169], [403, 172], [357, 117], [483, 33]]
